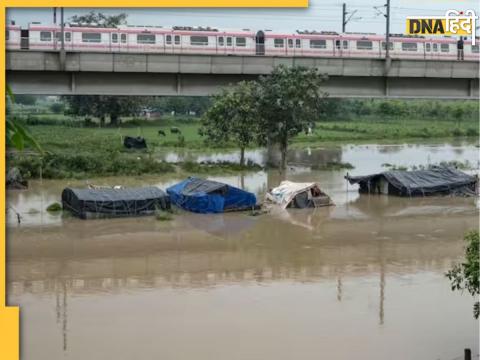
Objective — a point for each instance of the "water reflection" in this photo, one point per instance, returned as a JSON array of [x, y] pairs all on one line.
[[369, 270]]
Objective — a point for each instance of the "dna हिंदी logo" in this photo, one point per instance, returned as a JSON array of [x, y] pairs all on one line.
[[461, 23]]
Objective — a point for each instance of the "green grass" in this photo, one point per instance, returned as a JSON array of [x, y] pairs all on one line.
[[80, 152]]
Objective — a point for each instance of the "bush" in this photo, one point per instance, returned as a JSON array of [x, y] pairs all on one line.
[[59, 166]]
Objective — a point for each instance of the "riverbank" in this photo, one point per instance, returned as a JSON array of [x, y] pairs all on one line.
[[85, 152]]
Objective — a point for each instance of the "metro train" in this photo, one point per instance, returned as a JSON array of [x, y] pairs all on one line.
[[206, 40]]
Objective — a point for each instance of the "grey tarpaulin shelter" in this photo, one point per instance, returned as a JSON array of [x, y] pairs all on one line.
[[91, 203], [435, 181]]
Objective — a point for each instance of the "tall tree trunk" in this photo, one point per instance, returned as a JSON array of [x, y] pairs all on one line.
[[242, 156], [113, 119], [102, 121], [283, 150]]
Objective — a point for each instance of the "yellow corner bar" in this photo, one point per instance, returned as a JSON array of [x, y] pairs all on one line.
[[163, 3]]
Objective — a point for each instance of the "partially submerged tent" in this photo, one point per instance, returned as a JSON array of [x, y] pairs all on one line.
[[91, 203], [298, 195], [435, 181], [206, 196]]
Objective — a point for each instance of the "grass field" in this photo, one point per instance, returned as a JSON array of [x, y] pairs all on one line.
[[78, 139], [79, 152]]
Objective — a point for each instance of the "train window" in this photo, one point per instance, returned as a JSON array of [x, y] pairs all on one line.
[[290, 43], [229, 41], [123, 38], [428, 47], [409, 46], [91, 37], [241, 41], [145, 39], [68, 36], [475, 49], [384, 47], [435, 47], [278, 43], [199, 40], [7, 35], [169, 40], [318, 44], [338, 44], [221, 42], [298, 43], [345, 44], [45, 36], [364, 45], [177, 39], [444, 47], [114, 38]]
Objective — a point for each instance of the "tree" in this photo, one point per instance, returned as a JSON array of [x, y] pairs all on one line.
[[234, 117], [465, 276], [16, 134], [57, 107], [25, 99], [100, 19], [103, 106], [290, 101]]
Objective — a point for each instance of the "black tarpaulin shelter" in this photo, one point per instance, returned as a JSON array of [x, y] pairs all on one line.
[[435, 181], [134, 142], [91, 203]]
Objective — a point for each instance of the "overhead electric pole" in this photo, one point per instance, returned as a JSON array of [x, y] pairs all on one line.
[[344, 16]]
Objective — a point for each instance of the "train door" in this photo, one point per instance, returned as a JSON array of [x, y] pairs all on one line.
[[260, 43], [337, 48], [221, 44], [229, 49], [24, 42], [168, 41], [114, 42], [290, 50], [345, 48], [123, 43], [177, 44]]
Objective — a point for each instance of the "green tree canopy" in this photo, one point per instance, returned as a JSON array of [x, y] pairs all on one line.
[[25, 99], [233, 117], [290, 101], [103, 106], [465, 276], [100, 19]]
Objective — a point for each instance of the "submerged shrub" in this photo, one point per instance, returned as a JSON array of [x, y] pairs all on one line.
[[54, 207]]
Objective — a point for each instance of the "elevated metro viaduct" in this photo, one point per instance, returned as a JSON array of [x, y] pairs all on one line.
[[82, 73]]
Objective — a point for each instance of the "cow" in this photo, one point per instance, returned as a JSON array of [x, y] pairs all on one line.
[[161, 132], [175, 130]]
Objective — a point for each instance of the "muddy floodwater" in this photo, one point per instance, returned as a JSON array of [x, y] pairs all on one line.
[[360, 280]]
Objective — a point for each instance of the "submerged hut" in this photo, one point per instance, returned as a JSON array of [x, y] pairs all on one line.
[[111, 202], [207, 196], [298, 195], [435, 181]]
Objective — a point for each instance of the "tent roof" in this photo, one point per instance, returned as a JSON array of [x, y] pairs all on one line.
[[420, 180], [196, 185], [128, 194]]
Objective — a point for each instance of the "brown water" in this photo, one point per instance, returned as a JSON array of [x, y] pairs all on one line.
[[361, 280]]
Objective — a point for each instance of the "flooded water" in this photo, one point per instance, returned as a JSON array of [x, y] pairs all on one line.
[[361, 280]]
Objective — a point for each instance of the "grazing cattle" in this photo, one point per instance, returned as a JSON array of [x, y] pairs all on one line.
[[175, 130], [161, 132]]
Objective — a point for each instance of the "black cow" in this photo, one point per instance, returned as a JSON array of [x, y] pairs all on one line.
[[175, 130], [161, 132]]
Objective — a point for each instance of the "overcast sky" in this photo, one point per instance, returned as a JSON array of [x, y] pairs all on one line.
[[320, 15]]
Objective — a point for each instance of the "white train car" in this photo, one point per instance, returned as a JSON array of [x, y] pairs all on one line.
[[209, 41]]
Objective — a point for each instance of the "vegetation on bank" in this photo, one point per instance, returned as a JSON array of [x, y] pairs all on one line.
[[465, 276]]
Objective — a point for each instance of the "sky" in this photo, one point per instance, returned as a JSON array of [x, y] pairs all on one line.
[[320, 15]]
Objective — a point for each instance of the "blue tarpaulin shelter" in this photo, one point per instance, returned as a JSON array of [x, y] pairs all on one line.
[[206, 196]]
